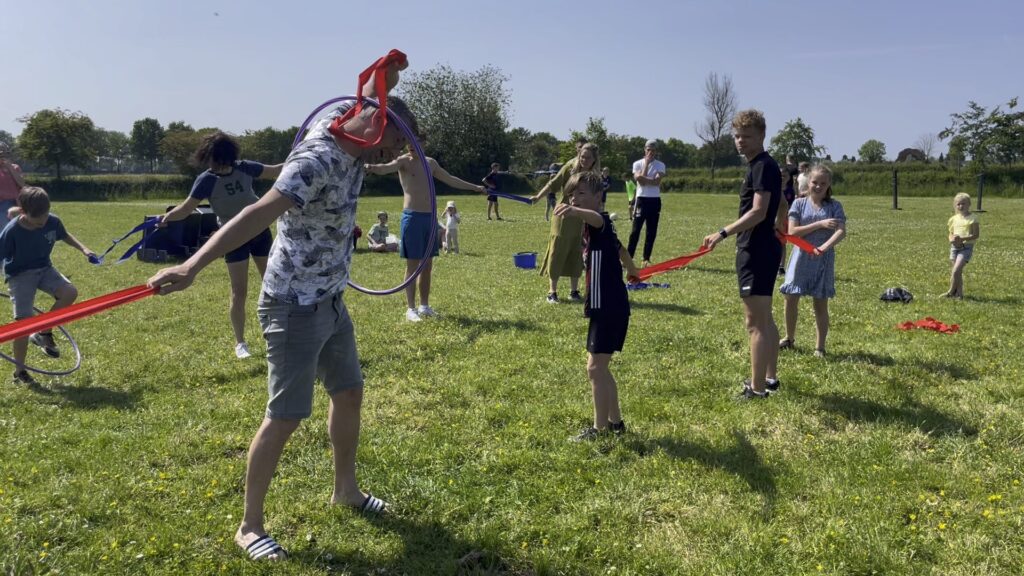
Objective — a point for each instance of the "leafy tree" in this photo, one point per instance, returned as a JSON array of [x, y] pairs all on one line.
[[956, 155], [795, 139], [58, 138], [146, 136], [679, 154], [179, 144], [872, 151], [988, 135], [8, 142], [720, 105], [267, 145], [463, 116], [113, 146]]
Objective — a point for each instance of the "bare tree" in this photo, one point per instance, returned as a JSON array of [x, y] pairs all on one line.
[[926, 143], [720, 104]]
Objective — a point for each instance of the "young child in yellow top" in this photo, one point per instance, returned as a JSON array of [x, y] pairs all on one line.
[[964, 230]]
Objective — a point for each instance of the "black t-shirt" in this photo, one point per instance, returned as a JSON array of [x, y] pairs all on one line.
[[606, 292], [763, 174]]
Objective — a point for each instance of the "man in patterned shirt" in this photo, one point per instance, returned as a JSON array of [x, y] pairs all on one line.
[[307, 327]]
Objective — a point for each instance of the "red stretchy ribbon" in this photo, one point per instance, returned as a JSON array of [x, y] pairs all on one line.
[[796, 241], [930, 323], [673, 264], [380, 118], [27, 326]]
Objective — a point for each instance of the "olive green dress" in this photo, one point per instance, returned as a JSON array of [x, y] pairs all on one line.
[[565, 246]]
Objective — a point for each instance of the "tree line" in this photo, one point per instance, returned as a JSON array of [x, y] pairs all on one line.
[[464, 123]]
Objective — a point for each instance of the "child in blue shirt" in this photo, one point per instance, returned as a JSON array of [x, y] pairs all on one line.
[[25, 246]]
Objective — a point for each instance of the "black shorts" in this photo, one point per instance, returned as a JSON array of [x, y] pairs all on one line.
[[492, 198], [757, 268], [258, 247], [607, 335]]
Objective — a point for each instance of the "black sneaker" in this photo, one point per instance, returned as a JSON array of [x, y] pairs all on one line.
[[749, 394], [575, 296], [552, 298], [586, 435], [23, 377], [45, 341], [617, 428], [772, 385]]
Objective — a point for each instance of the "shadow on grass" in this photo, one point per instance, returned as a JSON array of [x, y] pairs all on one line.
[[863, 357], [479, 326], [91, 397], [666, 307], [729, 271], [911, 413], [428, 548], [741, 460], [956, 371], [1012, 300]]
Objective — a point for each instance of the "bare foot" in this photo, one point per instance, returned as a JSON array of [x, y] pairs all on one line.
[[362, 501]]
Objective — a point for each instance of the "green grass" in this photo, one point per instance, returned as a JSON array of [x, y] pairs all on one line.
[[899, 454]]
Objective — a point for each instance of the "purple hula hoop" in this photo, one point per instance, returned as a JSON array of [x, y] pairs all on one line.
[[426, 169]]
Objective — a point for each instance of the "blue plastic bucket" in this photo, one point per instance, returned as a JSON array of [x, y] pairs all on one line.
[[527, 260]]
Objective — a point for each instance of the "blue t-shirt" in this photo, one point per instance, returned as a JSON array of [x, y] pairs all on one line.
[[22, 249], [228, 193]]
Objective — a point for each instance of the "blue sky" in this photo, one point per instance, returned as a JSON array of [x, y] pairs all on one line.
[[852, 70]]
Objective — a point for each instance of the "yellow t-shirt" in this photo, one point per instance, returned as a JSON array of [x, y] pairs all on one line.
[[960, 225]]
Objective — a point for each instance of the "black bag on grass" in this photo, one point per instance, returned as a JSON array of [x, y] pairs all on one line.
[[897, 295]]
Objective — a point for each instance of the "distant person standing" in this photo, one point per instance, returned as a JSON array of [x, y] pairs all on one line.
[[648, 172], [803, 178], [493, 183], [11, 183]]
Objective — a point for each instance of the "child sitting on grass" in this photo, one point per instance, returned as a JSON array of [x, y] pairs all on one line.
[[25, 246], [606, 302], [379, 239], [964, 230]]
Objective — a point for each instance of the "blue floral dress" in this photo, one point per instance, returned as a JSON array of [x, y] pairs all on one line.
[[805, 274]]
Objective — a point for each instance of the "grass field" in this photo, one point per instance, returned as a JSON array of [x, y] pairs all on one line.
[[901, 453]]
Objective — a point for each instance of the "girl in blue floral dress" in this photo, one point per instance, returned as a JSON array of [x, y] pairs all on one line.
[[820, 220]]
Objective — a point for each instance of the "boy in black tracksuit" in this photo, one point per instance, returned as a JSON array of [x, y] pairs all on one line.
[[606, 302]]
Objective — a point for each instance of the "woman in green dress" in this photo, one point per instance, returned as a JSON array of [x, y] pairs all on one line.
[[565, 248]]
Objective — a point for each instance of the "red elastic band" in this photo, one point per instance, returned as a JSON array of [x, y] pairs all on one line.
[[796, 241], [27, 326], [380, 118], [673, 264]]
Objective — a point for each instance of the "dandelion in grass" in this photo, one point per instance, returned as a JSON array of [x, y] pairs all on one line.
[[995, 497]]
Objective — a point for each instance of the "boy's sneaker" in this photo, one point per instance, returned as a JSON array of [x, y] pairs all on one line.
[[412, 316], [749, 394], [586, 435], [552, 298], [242, 351], [23, 377], [45, 341], [425, 311], [575, 296], [770, 385], [617, 428]]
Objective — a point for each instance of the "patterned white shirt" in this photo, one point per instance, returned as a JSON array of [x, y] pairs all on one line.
[[312, 253]]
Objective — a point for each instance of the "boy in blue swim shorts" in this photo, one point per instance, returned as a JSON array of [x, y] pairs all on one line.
[[417, 223]]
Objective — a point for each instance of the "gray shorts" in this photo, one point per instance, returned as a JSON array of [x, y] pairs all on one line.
[[23, 288], [967, 251], [305, 343]]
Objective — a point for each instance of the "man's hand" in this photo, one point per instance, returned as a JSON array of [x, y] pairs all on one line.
[[711, 240], [173, 279]]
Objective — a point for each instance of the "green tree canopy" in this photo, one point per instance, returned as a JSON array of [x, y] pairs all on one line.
[[795, 139], [146, 136], [463, 117], [267, 145], [872, 152], [58, 138]]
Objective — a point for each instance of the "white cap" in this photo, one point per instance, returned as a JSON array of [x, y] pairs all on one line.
[[451, 204]]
